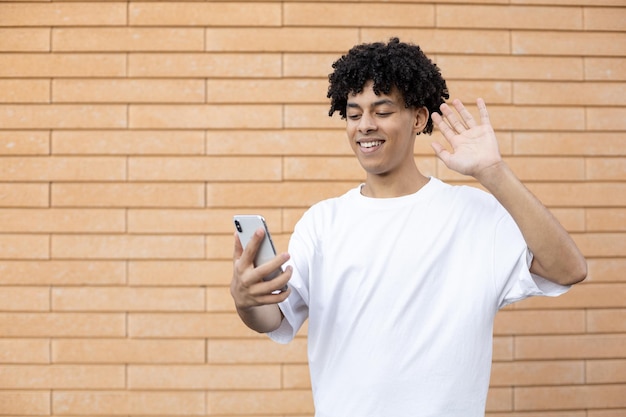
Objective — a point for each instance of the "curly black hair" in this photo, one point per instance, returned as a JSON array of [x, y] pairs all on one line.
[[395, 64]]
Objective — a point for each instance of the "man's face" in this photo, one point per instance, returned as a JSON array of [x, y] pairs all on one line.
[[381, 130]]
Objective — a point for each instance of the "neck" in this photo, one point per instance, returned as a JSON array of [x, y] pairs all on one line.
[[377, 186]]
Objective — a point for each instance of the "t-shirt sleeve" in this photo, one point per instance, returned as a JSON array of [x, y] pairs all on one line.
[[516, 281], [295, 308]]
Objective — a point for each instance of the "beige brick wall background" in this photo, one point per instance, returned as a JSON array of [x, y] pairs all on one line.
[[131, 132]]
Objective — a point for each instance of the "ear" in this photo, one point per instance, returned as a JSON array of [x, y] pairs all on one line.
[[421, 118]]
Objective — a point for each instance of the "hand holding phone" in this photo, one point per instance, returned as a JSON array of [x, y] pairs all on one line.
[[246, 225]]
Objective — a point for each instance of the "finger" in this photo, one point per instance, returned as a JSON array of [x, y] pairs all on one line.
[[238, 250], [443, 126], [249, 252], [484, 114], [465, 114], [454, 121]]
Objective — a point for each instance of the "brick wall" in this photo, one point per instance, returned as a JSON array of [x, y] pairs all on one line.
[[131, 132]]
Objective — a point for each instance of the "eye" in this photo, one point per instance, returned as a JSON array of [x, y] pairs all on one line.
[[354, 116], [384, 114]]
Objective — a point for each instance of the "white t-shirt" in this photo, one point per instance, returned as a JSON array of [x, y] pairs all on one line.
[[401, 295]]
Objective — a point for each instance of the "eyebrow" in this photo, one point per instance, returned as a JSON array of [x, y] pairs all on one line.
[[374, 104]]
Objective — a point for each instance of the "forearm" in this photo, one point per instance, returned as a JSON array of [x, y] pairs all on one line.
[[556, 256], [262, 319]]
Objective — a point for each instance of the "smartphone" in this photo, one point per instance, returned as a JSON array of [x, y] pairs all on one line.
[[246, 225]]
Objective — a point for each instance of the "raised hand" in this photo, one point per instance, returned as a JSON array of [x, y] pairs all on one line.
[[474, 146]]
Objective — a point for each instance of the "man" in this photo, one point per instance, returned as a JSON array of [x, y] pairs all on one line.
[[401, 277]]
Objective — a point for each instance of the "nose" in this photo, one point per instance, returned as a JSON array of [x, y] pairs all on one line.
[[367, 123]]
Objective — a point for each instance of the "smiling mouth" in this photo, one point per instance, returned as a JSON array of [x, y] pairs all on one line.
[[370, 143]]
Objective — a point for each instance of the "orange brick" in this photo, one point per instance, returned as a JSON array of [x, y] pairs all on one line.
[[579, 346], [24, 91], [126, 247], [127, 299], [128, 91], [283, 194], [605, 68], [257, 351], [576, 43], [25, 402], [494, 92], [291, 402], [507, 67], [509, 17], [127, 195], [62, 377], [205, 168], [62, 272], [127, 39], [602, 244], [209, 377], [607, 321], [606, 270], [571, 93], [230, 65], [605, 371], [15, 142], [605, 220], [126, 142], [537, 169], [62, 14], [127, 351], [323, 168], [308, 64], [573, 220], [13, 246], [524, 373], [267, 91], [128, 402], [288, 39], [219, 300], [62, 325], [61, 220], [277, 142], [606, 169], [62, 65], [305, 116], [24, 40], [502, 348], [24, 351], [609, 19], [204, 116], [347, 15], [572, 143], [62, 169], [61, 116], [186, 325], [569, 397], [448, 41], [606, 118], [205, 14], [499, 399], [180, 272], [539, 322], [24, 299], [590, 194]]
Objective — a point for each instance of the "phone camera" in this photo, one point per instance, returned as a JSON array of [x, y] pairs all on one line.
[[238, 226]]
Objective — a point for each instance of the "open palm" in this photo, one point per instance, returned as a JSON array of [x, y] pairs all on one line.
[[474, 146]]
